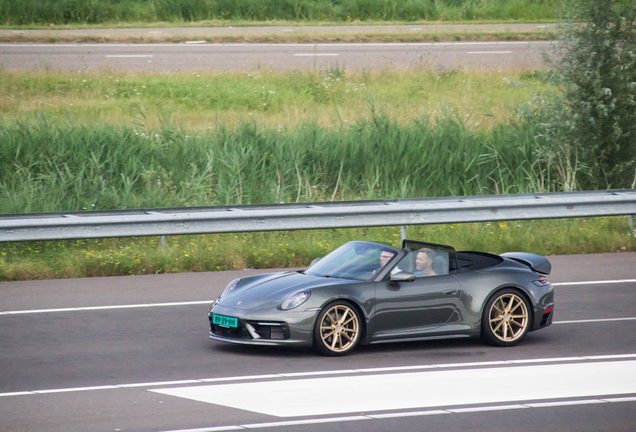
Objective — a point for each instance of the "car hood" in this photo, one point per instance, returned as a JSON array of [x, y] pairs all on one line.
[[267, 292]]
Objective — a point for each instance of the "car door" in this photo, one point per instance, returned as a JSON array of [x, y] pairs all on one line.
[[416, 308]]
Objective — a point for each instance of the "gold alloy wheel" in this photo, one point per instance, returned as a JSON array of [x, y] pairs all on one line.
[[339, 328], [508, 317]]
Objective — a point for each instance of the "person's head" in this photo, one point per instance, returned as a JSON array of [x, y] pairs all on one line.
[[424, 259], [385, 257]]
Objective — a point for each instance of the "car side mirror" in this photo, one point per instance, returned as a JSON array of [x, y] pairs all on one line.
[[314, 262], [403, 277]]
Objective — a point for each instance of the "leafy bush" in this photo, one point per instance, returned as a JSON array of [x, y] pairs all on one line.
[[592, 126]]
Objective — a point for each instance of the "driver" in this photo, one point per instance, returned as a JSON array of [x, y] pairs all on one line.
[[385, 257], [424, 263]]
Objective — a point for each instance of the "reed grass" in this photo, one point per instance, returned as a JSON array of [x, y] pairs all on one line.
[[63, 166], [136, 256], [21, 12]]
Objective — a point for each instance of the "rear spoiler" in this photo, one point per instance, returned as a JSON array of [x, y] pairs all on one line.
[[536, 262]]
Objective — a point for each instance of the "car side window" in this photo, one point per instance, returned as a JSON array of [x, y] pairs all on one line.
[[424, 262]]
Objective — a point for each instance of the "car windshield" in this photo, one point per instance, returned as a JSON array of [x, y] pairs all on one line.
[[354, 260]]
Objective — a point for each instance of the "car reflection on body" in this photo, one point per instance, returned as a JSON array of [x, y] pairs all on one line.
[[368, 293]]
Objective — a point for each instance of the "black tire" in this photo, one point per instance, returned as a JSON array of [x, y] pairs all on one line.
[[338, 329], [506, 318]]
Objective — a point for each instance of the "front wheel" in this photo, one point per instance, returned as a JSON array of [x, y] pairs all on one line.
[[506, 319], [337, 329]]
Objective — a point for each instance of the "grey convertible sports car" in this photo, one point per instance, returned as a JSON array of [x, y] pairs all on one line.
[[371, 293]]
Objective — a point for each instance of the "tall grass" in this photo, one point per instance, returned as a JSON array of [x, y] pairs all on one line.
[[17, 12], [59, 166]]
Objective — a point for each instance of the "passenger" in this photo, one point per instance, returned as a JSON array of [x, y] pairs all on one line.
[[424, 263]]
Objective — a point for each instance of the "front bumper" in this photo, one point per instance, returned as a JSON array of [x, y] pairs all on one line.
[[279, 328]]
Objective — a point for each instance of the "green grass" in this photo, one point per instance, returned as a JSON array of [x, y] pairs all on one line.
[[362, 35], [274, 99], [135, 256], [27, 12]]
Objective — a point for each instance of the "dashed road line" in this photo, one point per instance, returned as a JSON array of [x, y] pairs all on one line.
[[489, 52], [129, 55]]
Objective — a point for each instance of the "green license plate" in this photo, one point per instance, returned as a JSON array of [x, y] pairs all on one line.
[[224, 321]]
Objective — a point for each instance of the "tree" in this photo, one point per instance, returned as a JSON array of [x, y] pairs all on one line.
[[595, 116]]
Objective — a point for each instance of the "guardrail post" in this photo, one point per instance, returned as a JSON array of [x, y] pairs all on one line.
[[630, 224], [164, 241], [403, 232]]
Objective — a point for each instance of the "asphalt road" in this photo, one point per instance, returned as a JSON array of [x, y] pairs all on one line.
[[188, 57], [97, 355]]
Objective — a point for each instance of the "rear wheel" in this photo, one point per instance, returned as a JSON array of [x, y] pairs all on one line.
[[337, 329], [506, 318]]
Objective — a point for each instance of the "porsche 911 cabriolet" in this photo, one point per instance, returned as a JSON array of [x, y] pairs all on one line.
[[369, 293]]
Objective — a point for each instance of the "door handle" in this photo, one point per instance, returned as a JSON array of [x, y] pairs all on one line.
[[450, 292]]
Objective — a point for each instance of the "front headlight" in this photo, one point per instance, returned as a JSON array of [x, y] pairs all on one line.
[[295, 300], [230, 287]]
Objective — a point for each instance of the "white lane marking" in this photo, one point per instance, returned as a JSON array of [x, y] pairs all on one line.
[[398, 415], [19, 393], [299, 374], [565, 403], [240, 378], [408, 414], [156, 32], [429, 389], [303, 422], [195, 42], [214, 429], [619, 281], [561, 359], [489, 52], [594, 320], [160, 383], [623, 399], [314, 55], [129, 55], [75, 389], [338, 372], [93, 308], [487, 408]]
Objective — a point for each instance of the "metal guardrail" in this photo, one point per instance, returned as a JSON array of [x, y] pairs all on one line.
[[297, 216]]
